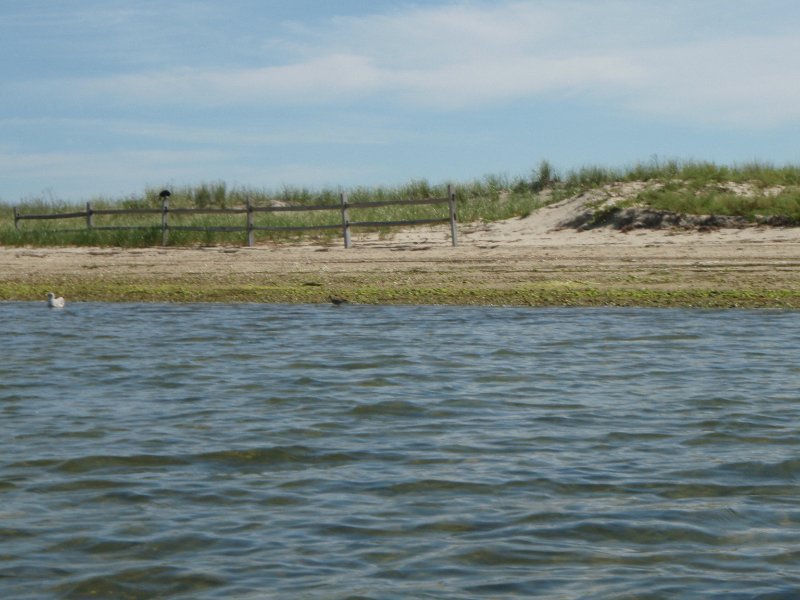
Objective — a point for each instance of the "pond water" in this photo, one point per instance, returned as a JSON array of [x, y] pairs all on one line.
[[268, 451]]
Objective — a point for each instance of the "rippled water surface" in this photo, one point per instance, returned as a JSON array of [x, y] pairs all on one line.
[[262, 451]]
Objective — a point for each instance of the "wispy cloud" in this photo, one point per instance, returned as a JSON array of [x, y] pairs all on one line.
[[87, 166], [351, 129], [318, 81], [745, 81], [463, 56]]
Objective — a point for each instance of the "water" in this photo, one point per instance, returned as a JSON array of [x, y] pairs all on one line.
[[261, 451]]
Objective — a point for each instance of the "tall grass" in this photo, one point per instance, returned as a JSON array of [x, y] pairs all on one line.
[[490, 198], [784, 204], [703, 188], [689, 187], [695, 174]]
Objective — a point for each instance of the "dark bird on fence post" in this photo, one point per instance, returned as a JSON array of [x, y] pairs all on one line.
[[164, 194], [337, 301]]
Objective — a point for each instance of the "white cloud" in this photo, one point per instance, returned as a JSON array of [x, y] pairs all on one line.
[[745, 81], [348, 129], [729, 65], [318, 81], [467, 55], [112, 172], [666, 59]]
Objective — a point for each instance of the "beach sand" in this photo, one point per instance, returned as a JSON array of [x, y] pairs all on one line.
[[522, 261]]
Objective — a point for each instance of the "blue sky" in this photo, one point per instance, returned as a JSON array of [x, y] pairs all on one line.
[[108, 97]]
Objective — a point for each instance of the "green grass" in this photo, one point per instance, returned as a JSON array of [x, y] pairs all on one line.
[[488, 199], [364, 292], [702, 188], [696, 174], [692, 187]]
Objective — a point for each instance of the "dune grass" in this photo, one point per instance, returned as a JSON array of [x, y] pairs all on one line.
[[679, 186], [785, 205], [488, 199], [752, 190]]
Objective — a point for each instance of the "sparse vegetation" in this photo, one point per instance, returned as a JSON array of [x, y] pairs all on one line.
[[750, 190]]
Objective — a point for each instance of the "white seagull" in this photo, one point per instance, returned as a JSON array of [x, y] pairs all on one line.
[[54, 302]]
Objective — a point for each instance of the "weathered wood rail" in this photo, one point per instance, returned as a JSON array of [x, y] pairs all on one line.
[[249, 210]]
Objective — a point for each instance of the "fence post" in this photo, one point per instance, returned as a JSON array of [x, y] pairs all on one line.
[[250, 232], [451, 201], [345, 221], [89, 216], [16, 218], [164, 221]]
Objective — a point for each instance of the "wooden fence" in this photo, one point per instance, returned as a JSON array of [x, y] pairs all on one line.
[[249, 211]]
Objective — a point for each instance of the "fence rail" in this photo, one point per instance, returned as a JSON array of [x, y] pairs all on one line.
[[249, 210]]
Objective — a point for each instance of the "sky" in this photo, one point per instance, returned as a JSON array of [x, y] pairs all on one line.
[[106, 98]]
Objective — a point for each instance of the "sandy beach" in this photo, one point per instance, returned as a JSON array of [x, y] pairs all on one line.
[[523, 261]]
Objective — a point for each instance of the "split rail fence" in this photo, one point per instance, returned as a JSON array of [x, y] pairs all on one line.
[[250, 228]]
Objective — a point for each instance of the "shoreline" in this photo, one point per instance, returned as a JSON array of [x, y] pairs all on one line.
[[537, 260], [558, 255], [515, 263]]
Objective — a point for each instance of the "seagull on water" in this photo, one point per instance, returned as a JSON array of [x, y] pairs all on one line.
[[54, 302]]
